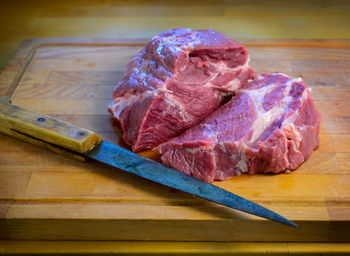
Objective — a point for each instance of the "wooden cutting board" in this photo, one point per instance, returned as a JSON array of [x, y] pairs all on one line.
[[45, 196]]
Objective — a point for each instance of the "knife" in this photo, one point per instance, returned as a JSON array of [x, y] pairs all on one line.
[[82, 144]]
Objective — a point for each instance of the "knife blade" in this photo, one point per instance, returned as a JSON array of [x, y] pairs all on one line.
[[126, 160], [71, 140]]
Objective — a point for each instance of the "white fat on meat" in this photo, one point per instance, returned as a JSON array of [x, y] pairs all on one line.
[[193, 150], [221, 68], [129, 98], [265, 118]]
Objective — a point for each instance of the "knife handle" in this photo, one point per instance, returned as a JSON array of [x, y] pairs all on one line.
[[45, 131]]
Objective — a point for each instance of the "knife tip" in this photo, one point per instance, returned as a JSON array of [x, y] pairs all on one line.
[[292, 224], [285, 221]]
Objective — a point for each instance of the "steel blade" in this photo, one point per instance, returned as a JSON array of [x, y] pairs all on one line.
[[128, 161]]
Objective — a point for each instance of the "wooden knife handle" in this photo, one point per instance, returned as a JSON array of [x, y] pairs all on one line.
[[45, 131]]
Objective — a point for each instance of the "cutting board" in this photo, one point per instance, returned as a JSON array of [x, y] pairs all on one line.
[[46, 196]]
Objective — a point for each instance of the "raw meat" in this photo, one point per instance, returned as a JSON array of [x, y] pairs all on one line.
[[177, 80], [270, 126]]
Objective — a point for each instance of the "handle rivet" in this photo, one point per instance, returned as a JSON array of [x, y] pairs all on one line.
[[41, 119], [81, 133]]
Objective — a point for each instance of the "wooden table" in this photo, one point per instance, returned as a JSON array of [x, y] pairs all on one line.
[[89, 198], [249, 19], [45, 196]]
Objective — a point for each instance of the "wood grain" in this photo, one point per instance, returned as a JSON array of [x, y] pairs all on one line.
[[170, 248], [45, 196], [312, 19]]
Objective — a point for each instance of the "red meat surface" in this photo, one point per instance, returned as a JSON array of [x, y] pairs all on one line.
[[178, 79], [270, 126]]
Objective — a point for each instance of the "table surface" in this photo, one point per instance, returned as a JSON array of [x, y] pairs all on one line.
[[249, 19], [142, 19], [47, 196]]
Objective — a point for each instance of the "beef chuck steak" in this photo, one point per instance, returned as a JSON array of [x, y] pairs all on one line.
[[270, 126], [177, 80]]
